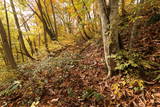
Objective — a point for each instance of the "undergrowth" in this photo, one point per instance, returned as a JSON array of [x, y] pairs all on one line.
[[133, 63], [75, 79]]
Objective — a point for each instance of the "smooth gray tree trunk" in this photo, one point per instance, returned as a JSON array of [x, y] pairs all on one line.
[[109, 17]]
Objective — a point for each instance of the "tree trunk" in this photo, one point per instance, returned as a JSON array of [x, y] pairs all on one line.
[[21, 51], [88, 13], [30, 45], [109, 15], [17, 54], [54, 17], [39, 40], [46, 40], [35, 46], [123, 7], [19, 31], [6, 47], [80, 21], [45, 20], [134, 31], [8, 27], [27, 28]]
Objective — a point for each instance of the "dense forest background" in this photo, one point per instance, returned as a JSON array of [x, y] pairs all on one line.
[[79, 53]]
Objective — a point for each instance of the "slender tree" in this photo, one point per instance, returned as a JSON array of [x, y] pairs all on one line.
[[6, 47], [54, 17], [80, 20], [21, 40], [45, 40], [8, 27], [46, 21], [109, 17], [86, 8], [134, 31]]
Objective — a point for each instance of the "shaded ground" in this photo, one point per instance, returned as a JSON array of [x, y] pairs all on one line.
[[77, 78]]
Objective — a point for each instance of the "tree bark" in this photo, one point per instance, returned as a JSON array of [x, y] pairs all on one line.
[[109, 16], [19, 31], [21, 52], [46, 40], [6, 47], [8, 27], [134, 31], [17, 54], [54, 17], [89, 16], [46, 21], [123, 7]]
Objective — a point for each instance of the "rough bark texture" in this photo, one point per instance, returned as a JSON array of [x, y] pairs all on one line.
[[109, 17], [6, 47]]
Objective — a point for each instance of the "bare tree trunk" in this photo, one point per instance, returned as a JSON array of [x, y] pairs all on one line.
[[25, 24], [6, 47], [123, 7], [39, 40], [17, 54], [89, 16], [27, 28], [8, 27], [47, 17], [134, 31], [80, 20], [54, 17], [21, 51], [19, 31], [114, 19], [35, 46], [3, 55], [46, 40], [45, 21], [30, 45], [109, 16]]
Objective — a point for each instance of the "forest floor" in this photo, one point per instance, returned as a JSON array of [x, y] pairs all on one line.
[[77, 77]]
